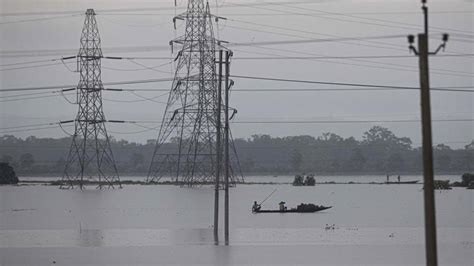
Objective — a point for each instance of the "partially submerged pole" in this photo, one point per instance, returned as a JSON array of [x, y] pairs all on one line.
[[218, 152], [428, 175], [226, 147]]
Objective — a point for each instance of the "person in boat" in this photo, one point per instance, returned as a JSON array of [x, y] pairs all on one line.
[[256, 206], [282, 206], [398, 179], [388, 178]]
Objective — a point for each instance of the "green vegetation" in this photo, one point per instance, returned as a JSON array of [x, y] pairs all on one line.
[[301, 181], [467, 180], [441, 185], [7, 174], [379, 151], [310, 181]]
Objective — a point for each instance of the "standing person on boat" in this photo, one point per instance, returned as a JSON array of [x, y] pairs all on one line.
[[398, 179], [256, 206], [388, 178], [282, 206]]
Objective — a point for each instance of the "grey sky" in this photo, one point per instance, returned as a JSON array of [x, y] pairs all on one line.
[[154, 27]]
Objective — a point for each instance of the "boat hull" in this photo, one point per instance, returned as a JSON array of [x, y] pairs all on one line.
[[294, 210], [402, 182]]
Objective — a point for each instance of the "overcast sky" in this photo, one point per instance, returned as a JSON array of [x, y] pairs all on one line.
[[249, 21]]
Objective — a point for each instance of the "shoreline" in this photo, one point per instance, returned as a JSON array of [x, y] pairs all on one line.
[[143, 183]]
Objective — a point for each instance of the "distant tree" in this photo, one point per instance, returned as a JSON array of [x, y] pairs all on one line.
[[10, 139], [334, 166], [328, 153], [7, 174], [136, 159], [310, 181], [442, 157], [467, 179], [298, 181], [442, 162], [296, 160], [330, 137], [442, 147], [395, 162], [6, 159], [248, 164], [26, 161], [60, 164], [382, 136], [357, 160], [262, 138], [470, 146]]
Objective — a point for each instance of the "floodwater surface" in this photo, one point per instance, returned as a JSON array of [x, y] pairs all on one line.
[[153, 225]]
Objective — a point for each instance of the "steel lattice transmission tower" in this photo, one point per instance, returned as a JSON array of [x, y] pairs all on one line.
[[90, 156], [186, 145]]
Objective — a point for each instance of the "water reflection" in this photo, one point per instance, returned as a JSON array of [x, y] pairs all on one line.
[[90, 238], [199, 236]]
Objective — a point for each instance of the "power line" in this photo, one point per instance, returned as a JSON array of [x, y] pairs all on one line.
[[255, 90], [390, 66], [149, 48], [52, 52], [27, 94], [105, 11], [347, 121], [346, 84], [456, 73], [314, 33], [342, 39], [300, 14], [271, 57], [286, 11], [39, 19], [259, 122], [74, 86], [461, 40], [70, 87], [374, 19], [31, 98], [342, 57], [33, 66]]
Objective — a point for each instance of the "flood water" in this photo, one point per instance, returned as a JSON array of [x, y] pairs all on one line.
[[163, 225]]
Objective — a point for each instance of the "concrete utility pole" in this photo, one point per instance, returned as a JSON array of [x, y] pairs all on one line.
[[219, 151], [228, 54], [428, 175]]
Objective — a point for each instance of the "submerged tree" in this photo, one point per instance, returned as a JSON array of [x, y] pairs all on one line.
[[298, 181], [7, 174]]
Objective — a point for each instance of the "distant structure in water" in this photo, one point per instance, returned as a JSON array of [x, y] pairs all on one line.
[[90, 156], [189, 144]]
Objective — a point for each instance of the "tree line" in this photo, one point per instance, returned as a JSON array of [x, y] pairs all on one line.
[[379, 151]]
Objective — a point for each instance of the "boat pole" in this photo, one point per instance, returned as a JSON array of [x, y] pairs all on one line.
[[218, 152], [268, 197]]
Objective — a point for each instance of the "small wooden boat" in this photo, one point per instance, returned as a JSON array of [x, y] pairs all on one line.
[[402, 182], [299, 209]]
